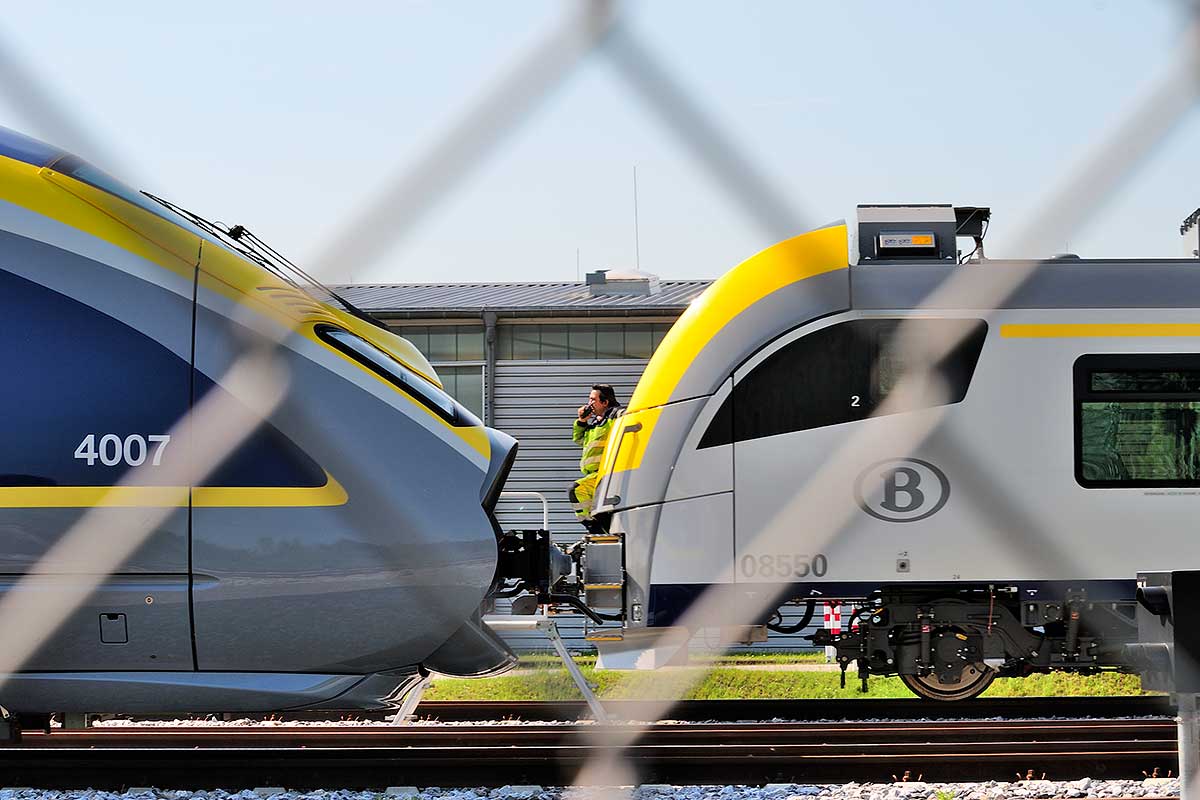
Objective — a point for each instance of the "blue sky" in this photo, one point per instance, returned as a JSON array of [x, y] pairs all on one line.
[[288, 116]]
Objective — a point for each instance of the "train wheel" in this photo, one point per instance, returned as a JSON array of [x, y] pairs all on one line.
[[971, 683]]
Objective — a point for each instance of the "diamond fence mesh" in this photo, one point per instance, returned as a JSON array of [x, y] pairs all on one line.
[[596, 30]]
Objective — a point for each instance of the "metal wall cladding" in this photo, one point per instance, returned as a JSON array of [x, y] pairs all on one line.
[[537, 402]]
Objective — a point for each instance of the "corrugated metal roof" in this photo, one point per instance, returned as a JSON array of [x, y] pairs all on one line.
[[513, 297]]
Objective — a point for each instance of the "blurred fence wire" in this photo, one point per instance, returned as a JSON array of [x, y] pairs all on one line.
[[588, 29]]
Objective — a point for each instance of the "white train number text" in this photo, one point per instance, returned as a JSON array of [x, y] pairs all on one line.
[[784, 566], [111, 450]]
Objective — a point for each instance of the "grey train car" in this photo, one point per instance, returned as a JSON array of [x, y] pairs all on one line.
[[341, 550], [1062, 455]]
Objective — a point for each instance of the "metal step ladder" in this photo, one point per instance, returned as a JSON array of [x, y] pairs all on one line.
[[517, 622]]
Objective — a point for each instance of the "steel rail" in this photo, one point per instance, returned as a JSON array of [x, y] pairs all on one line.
[[807, 710], [759, 710], [345, 757]]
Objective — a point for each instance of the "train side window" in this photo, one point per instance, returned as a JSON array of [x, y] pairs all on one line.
[[76, 375], [839, 374], [1137, 420], [393, 371]]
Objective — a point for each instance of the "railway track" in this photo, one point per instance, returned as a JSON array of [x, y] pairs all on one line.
[[758, 710], [465, 755], [804, 710]]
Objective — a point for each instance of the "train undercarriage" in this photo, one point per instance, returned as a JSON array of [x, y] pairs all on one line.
[[945, 643], [952, 645]]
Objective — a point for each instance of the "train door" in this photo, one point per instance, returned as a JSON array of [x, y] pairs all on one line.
[[268, 529], [96, 364]]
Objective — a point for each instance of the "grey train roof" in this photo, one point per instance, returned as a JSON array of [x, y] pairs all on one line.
[[1074, 283], [1066, 283]]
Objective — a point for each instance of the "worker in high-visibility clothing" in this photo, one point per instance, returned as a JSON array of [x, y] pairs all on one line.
[[591, 433]]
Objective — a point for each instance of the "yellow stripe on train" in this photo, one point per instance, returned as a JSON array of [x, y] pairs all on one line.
[[1101, 330], [331, 494], [783, 264]]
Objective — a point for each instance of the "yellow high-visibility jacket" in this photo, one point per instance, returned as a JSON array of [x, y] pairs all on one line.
[[592, 438]]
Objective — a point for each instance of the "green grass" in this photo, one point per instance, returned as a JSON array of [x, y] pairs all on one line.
[[754, 657], [531, 660], [542, 678]]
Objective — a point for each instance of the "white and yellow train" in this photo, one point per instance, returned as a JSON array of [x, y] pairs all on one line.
[[1062, 454]]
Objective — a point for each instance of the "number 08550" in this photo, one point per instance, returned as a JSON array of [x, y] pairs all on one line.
[[784, 566]]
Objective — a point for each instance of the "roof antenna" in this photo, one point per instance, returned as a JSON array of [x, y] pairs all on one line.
[[637, 240], [972, 221], [1190, 224]]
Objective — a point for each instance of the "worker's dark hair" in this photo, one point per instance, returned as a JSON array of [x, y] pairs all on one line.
[[607, 394]]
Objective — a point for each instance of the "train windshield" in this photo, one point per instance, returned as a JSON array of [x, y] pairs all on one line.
[[237, 240], [82, 171]]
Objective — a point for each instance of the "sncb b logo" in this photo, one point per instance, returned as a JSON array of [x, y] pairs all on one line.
[[901, 490]]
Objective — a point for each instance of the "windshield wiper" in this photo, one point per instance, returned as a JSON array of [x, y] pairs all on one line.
[[245, 243]]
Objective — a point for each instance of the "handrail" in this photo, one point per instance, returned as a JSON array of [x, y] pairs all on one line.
[[634, 428], [532, 496]]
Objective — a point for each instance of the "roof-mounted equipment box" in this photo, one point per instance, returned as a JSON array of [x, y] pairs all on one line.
[[907, 233]]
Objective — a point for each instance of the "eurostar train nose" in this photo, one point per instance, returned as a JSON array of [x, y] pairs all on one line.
[[503, 450], [475, 650], [347, 541]]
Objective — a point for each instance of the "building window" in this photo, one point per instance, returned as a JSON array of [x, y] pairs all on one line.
[[1137, 420], [579, 342], [443, 343], [464, 384], [839, 374]]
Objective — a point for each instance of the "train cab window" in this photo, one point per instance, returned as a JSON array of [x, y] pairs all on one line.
[[84, 172], [393, 371], [842, 373], [1137, 420]]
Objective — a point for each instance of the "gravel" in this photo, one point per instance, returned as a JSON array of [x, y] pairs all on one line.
[[309, 723], [912, 790], [368, 723]]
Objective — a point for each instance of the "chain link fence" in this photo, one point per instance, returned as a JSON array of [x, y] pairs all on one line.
[[595, 29]]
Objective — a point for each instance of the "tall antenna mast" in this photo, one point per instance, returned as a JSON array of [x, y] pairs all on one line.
[[637, 240]]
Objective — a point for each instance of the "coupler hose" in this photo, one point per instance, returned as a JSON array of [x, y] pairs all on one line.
[[799, 626], [579, 606]]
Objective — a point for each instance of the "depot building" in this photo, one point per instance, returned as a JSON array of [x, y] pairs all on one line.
[[523, 357]]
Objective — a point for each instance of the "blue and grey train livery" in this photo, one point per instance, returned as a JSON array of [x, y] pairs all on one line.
[[336, 554]]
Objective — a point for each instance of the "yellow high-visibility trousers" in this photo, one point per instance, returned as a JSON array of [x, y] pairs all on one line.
[[581, 493]]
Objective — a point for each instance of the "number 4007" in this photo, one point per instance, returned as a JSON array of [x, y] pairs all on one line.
[[110, 449]]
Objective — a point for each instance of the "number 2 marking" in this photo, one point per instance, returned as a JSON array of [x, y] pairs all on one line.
[[112, 450], [854, 401]]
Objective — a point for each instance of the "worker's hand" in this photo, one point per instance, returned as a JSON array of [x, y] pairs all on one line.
[[584, 410]]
